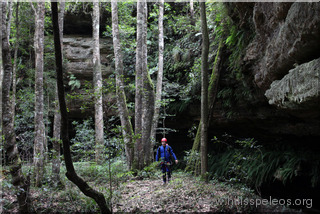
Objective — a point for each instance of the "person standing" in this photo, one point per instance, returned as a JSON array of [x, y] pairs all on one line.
[[164, 153]]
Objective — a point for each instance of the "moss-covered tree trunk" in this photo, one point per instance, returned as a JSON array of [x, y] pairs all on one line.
[[127, 130], [204, 91], [14, 162], [71, 173], [97, 82], [194, 161]]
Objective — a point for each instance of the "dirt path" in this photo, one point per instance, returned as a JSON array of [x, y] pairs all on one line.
[[184, 194]]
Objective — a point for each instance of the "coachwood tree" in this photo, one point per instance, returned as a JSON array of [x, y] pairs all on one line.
[[71, 173], [157, 103], [14, 162], [204, 91], [127, 130], [193, 164], [15, 59], [97, 81], [39, 141], [57, 116], [144, 100], [192, 13], [1, 78]]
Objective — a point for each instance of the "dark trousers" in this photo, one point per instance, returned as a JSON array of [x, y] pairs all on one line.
[[166, 171]]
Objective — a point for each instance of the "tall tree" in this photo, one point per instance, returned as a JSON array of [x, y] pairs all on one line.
[[1, 80], [8, 28], [97, 81], [204, 91], [14, 71], [39, 141], [71, 173], [57, 116], [138, 153], [157, 104], [192, 13], [193, 164], [14, 162], [144, 100], [148, 97], [127, 130]]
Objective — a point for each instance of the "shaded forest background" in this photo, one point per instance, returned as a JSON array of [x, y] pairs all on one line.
[[249, 141]]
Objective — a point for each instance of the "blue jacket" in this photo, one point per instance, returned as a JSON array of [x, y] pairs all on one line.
[[164, 153]]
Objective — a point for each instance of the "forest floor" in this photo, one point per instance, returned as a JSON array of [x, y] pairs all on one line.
[[142, 193]]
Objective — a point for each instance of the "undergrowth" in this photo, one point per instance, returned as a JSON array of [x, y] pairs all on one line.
[[247, 162], [127, 191]]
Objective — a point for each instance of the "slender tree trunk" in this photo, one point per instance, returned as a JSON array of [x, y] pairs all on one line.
[[1, 80], [144, 92], [57, 117], [71, 173], [15, 61], [204, 91], [97, 81], [214, 81], [38, 155], [14, 162], [9, 19], [148, 96], [127, 130], [192, 13], [138, 149], [212, 95], [157, 103]]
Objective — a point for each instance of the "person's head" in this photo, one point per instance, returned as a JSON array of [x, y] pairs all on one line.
[[164, 141]]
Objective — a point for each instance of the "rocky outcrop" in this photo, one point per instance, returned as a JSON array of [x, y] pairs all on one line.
[[78, 55], [298, 90], [280, 61], [286, 34], [283, 62]]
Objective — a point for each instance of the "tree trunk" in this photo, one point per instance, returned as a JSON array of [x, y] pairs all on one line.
[[214, 80], [157, 103], [127, 130], [71, 174], [97, 81], [192, 13], [1, 80], [138, 148], [192, 164], [148, 96], [57, 117], [204, 92], [15, 59], [14, 162], [38, 155], [144, 106]]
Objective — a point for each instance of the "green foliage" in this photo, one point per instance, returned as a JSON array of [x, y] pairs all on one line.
[[251, 164], [151, 171], [24, 121], [83, 143], [73, 82], [193, 158]]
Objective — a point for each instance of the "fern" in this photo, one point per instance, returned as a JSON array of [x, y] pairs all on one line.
[[254, 165]]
